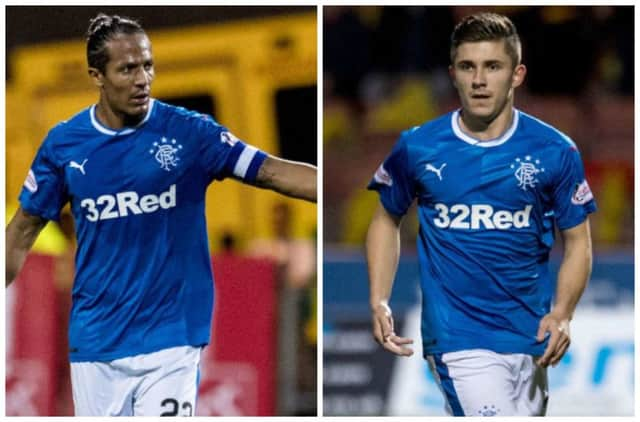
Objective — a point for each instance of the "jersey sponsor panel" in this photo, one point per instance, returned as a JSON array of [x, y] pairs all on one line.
[[480, 216], [123, 204]]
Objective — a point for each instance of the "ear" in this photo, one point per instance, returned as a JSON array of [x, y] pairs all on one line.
[[518, 75], [96, 76]]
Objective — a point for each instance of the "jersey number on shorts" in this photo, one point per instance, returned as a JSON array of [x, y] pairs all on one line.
[[174, 405]]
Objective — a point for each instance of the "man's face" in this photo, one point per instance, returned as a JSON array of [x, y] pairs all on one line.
[[126, 81], [484, 75]]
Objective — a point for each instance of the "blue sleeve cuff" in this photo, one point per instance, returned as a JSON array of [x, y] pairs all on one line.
[[256, 163]]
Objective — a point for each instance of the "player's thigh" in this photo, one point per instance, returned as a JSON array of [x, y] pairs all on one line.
[[475, 383], [100, 390], [170, 390], [532, 394]]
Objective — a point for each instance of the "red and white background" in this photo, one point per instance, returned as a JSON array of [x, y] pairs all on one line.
[[238, 368]]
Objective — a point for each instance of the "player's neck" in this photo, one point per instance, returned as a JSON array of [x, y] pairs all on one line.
[[486, 129], [112, 119]]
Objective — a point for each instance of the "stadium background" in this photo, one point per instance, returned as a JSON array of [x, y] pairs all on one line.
[[254, 70], [385, 70]]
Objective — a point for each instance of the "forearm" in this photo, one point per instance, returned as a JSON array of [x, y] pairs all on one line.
[[21, 233], [290, 178], [14, 261], [572, 277], [572, 280], [383, 252]]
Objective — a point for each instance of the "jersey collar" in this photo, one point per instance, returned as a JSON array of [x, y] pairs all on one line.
[[125, 131], [491, 143]]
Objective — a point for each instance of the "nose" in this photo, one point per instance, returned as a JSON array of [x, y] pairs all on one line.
[[479, 79], [142, 78]]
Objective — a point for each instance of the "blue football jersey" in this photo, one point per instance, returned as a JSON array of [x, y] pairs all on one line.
[[487, 211], [143, 271]]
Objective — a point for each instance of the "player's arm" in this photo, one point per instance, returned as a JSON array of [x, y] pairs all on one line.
[[383, 252], [573, 275], [291, 178], [22, 231]]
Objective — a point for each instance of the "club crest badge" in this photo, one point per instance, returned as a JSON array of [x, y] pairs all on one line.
[[165, 153], [526, 171]]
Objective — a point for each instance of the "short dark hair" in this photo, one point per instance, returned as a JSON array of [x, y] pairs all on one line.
[[103, 28], [487, 27]]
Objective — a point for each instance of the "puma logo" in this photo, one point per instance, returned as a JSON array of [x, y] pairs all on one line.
[[80, 167], [437, 171]]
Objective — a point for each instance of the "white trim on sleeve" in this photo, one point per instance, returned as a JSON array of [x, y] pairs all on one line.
[[244, 161]]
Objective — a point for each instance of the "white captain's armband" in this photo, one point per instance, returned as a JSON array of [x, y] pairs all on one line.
[[244, 161]]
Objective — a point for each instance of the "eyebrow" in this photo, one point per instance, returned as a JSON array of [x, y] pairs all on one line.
[[129, 62], [485, 62]]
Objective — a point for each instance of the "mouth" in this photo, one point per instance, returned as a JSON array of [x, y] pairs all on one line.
[[481, 96], [140, 99]]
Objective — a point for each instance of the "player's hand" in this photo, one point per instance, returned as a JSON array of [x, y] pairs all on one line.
[[384, 334], [559, 338]]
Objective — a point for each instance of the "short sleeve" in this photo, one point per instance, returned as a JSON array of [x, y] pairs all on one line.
[[572, 196], [393, 180], [224, 155], [43, 193]]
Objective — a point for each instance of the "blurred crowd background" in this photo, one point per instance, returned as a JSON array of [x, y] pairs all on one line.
[[385, 71], [255, 70]]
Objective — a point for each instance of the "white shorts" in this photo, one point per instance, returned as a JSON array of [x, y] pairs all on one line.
[[163, 383], [484, 383]]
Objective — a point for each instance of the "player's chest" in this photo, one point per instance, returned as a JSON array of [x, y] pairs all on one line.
[[476, 174], [129, 163]]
